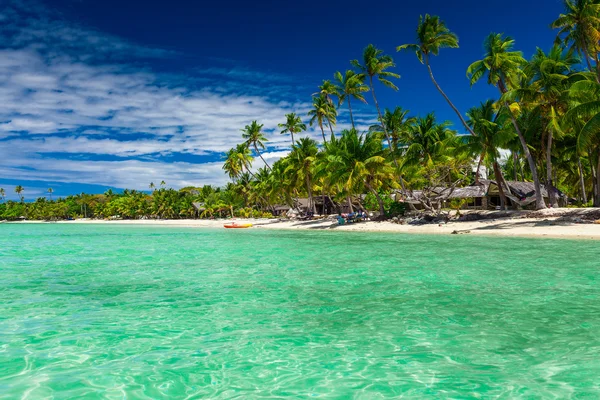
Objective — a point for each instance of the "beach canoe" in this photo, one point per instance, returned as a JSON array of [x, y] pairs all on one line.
[[237, 226]]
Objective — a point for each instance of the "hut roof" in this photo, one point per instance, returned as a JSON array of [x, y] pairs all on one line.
[[475, 191], [199, 206]]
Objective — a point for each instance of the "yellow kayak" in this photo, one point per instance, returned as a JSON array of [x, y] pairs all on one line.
[[235, 225]]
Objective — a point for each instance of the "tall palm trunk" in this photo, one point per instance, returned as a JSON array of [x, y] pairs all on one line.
[[515, 161], [261, 157], [330, 127], [581, 181], [350, 109], [379, 200], [293, 141], [311, 202], [478, 168], [350, 204], [549, 177], [500, 182], [462, 120], [589, 63], [322, 133], [539, 200], [387, 136]]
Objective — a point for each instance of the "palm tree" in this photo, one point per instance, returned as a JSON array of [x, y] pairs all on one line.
[[255, 137], [375, 65], [503, 68], [321, 112], [238, 161], [433, 35], [579, 28], [397, 123], [547, 94], [328, 89], [358, 161], [152, 186], [2, 194], [585, 117], [427, 141], [351, 85], [163, 184], [19, 190], [489, 137], [50, 191], [293, 124], [302, 165]]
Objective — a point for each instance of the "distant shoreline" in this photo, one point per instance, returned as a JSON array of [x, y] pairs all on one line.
[[553, 225]]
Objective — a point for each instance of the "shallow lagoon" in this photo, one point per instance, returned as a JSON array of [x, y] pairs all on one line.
[[157, 312]]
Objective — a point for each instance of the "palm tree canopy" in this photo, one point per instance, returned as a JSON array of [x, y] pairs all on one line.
[[500, 62], [327, 89], [490, 132], [254, 135], [579, 25], [293, 124], [351, 84], [432, 35], [376, 64], [322, 111]]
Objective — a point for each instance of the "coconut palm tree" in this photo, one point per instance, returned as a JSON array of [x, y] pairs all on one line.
[[293, 124], [328, 89], [375, 64], [433, 35], [584, 116], [489, 137], [255, 137], [503, 67], [358, 161], [579, 28], [303, 159], [50, 191], [351, 85], [397, 122], [2, 194], [547, 94], [322, 111], [19, 191], [152, 186], [163, 184]]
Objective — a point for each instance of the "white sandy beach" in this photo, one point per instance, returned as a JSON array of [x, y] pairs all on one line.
[[551, 224]]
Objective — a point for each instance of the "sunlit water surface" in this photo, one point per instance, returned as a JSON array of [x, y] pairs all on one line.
[[155, 312]]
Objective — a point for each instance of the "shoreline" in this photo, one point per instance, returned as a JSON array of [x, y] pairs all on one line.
[[555, 227]]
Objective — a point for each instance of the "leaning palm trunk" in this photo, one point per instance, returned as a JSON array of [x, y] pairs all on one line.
[[387, 136], [539, 200], [350, 109], [323, 133], [311, 201], [581, 181], [500, 181], [261, 157], [462, 120], [515, 161], [379, 200], [549, 178]]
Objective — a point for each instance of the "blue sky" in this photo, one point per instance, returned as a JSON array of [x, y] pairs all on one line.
[[100, 94]]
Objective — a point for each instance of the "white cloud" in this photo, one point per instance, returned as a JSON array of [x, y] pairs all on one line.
[[55, 100]]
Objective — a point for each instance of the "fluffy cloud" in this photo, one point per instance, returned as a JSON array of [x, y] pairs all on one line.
[[68, 92]]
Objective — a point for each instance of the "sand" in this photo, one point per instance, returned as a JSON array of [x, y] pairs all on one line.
[[549, 223]]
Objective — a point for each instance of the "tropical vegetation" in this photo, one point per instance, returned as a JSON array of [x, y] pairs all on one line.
[[543, 126]]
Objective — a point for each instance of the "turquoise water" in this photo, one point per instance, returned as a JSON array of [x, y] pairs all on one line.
[[154, 312]]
